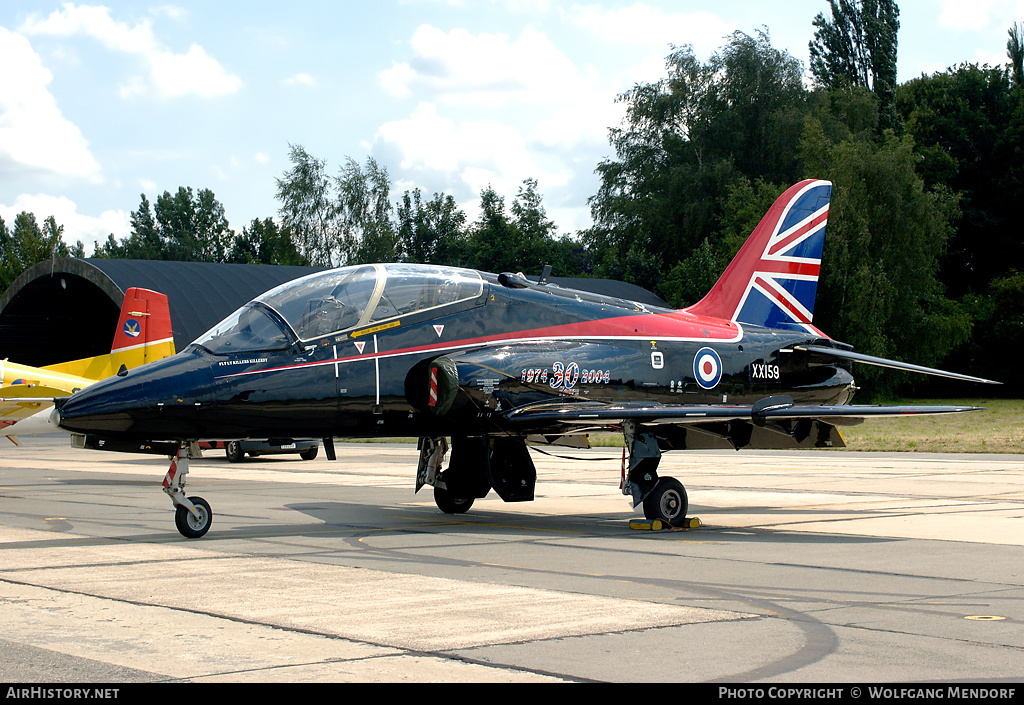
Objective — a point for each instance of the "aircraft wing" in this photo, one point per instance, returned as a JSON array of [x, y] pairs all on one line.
[[770, 409], [772, 423], [32, 391], [20, 401]]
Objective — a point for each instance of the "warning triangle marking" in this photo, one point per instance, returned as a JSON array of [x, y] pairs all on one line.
[[360, 344], [439, 329]]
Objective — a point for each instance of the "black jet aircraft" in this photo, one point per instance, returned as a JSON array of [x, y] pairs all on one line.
[[497, 362]]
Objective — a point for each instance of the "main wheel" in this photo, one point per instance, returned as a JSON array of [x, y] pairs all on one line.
[[234, 452], [192, 527], [451, 505], [309, 453], [667, 502]]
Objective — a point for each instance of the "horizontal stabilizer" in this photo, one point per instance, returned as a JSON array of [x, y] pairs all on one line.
[[891, 364], [31, 391]]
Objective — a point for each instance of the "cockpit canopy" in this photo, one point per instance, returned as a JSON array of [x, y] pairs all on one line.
[[338, 300]]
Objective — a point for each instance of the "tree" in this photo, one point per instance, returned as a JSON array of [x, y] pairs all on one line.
[[263, 242], [307, 207], [686, 140], [521, 242], [858, 48], [185, 226], [967, 127], [345, 220], [193, 226], [1015, 50], [430, 232], [879, 288], [26, 243], [367, 231]]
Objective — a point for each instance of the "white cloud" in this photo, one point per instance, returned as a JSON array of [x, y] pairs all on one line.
[[494, 109], [639, 24], [487, 70], [169, 74], [475, 154], [980, 14], [33, 131], [300, 79], [88, 229]]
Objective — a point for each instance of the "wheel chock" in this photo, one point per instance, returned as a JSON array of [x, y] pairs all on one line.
[[659, 525]]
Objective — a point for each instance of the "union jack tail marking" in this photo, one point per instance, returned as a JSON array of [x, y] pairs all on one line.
[[773, 279]]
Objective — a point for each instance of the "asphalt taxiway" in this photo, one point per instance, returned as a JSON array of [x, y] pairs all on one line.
[[810, 567]]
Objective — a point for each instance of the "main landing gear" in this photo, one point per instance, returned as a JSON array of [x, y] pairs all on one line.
[[428, 472], [663, 498], [503, 463], [192, 516]]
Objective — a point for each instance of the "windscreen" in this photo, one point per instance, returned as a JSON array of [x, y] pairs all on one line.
[[251, 328]]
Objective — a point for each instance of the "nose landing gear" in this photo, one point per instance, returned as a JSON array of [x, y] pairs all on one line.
[[193, 517]]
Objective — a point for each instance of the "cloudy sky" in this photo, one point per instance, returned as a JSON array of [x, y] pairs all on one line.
[[101, 103]]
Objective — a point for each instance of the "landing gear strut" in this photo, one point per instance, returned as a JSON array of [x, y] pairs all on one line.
[[192, 516], [663, 498], [428, 472]]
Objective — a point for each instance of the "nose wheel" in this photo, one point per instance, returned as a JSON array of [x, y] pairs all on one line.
[[192, 516], [195, 523]]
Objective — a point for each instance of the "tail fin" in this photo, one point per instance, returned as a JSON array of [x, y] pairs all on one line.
[[143, 334], [143, 331], [773, 279]]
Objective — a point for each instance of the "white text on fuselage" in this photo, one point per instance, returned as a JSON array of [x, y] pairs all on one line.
[[764, 371], [250, 361]]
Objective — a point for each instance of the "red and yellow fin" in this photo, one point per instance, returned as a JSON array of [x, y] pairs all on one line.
[[143, 335]]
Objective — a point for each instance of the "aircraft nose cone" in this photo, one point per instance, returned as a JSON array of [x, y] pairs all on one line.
[[133, 406]]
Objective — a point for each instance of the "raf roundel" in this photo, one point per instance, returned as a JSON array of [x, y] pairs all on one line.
[[707, 368]]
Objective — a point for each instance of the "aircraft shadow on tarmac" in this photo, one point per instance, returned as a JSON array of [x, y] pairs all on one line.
[[409, 519]]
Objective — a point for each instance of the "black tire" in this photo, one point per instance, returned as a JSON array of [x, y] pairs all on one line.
[[309, 453], [189, 526], [668, 502], [451, 505], [234, 452]]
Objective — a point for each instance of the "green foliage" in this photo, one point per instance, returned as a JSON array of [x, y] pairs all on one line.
[[1015, 51], [184, 226], [367, 232], [430, 232], [351, 219], [879, 288], [264, 242], [521, 242], [307, 207], [687, 141], [857, 48], [26, 243], [690, 279], [340, 221], [968, 131]]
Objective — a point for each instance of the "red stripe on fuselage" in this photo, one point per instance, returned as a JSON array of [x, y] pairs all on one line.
[[676, 325]]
